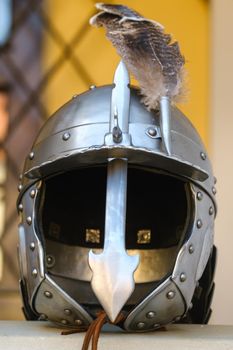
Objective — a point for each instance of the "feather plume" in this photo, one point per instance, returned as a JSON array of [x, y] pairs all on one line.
[[148, 52]]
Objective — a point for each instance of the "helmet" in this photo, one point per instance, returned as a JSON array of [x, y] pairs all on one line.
[[117, 213]]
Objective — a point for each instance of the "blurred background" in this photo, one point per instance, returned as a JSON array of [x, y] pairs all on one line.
[[49, 52]]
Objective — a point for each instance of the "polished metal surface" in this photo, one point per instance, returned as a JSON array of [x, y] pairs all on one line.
[[165, 123], [165, 309], [31, 252], [72, 262], [193, 255], [88, 118], [120, 100], [114, 268], [51, 300]]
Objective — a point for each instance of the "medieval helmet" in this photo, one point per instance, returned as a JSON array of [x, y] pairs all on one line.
[[117, 213]]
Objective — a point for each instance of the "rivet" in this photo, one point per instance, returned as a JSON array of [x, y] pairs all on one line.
[[177, 318], [48, 294], [66, 136], [67, 312], [151, 132], [29, 220], [64, 321], [32, 246], [214, 191], [203, 155], [20, 187], [156, 325], [141, 325], [183, 277], [211, 210], [21, 177], [92, 87], [199, 196], [34, 273], [31, 155], [171, 294], [20, 207], [151, 314], [78, 322], [191, 249], [32, 193], [43, 317], [199, 223], [50, 261]]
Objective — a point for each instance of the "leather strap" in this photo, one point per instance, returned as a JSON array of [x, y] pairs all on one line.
[[93, 331]]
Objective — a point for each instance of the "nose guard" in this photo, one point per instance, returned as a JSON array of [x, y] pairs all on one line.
[[112, 280], [113, 270]]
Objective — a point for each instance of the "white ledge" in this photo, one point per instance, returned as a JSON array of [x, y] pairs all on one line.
[[33, 335]]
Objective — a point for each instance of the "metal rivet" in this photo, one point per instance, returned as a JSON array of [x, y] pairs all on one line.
[[203, 155], [43, 317], [199, 223], [29, 220], [177, 318], [67, 312], [214, 191], [20, 187], [34, 273], [151, 132], [50, 261], [141, 325], [64, 321], [183, 277], [20, 207], [31, 155], [32, 246], [21, 177], [78, 322], [211, 210], [191, 249], [92, 87], [199, 196], [171, 294], [32, 193], [151, 314], [48, 294], [66, 136], [156, 325]]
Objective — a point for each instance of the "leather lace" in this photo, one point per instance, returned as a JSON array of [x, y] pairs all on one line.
[[93, 331]]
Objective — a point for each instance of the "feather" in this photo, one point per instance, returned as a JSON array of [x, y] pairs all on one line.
[[148, 52]]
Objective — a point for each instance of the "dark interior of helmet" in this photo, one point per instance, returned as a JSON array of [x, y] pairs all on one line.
[[73, 209], [71, 213]]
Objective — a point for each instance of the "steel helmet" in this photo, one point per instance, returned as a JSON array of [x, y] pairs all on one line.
[[117, 208]]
